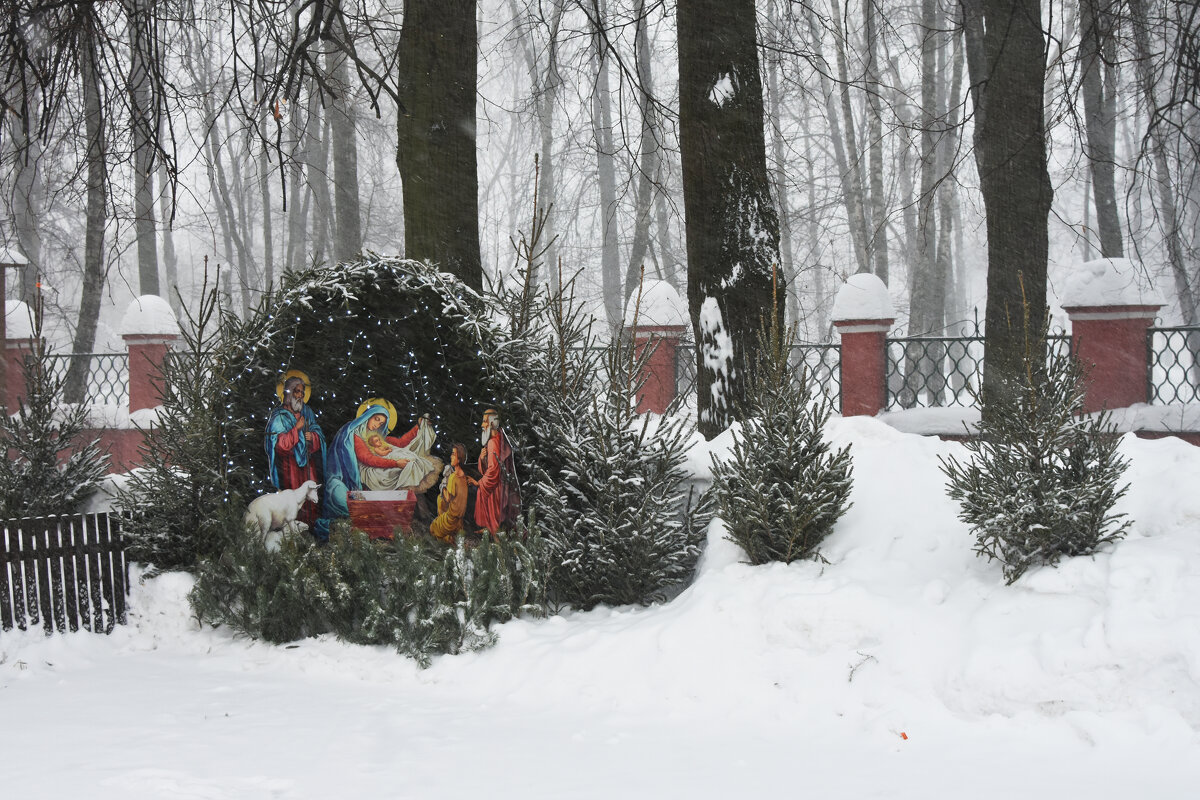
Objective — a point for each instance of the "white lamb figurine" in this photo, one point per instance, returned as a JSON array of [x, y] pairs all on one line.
[[278, 511]]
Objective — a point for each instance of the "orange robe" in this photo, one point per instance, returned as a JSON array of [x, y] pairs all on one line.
[[452, 507]]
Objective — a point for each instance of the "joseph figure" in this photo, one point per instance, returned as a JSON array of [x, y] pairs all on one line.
[[295, 444]]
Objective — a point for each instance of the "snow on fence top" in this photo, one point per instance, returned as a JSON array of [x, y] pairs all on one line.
[[149, 315], [18, 321], [1107, 282], [863, 297], [660, 305]]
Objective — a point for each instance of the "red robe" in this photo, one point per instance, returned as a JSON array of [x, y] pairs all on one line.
[[292, 475], [495, 501]]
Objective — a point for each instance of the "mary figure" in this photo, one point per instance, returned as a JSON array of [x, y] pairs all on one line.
[[363, 456]]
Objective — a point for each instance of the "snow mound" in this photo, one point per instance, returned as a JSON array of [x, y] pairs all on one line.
[[863, 296], [1108, 282], [660, 305], [149, 315], [902, 650]]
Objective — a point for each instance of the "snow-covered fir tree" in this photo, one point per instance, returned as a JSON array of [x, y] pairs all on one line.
[[783, 487], [34, 479], [1042, 478], [179, 503], [607, 488]]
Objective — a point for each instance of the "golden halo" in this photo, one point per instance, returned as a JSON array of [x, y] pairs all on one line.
[[379, 401], [287, 376]]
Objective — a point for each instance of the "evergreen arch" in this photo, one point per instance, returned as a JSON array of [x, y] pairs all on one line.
[[375, 327]]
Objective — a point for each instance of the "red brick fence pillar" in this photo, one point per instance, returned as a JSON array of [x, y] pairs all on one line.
[[1109, 316], [863, 316], [658, 325], [150, 330]]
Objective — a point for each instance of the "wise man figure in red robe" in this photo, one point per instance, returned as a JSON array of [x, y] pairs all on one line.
[[295, 444], [497, 498]]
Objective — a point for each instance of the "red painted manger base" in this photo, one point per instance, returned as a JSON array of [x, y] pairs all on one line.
[[378, 514]]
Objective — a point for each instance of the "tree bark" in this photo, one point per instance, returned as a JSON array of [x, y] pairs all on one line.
[[874, 92], [787, 279], [606, 172], [436, 70], [94, 272], [143, 132], [1168, 208], [732, 228], [347, 239], [649, 160], [27, 205], [851, 166], [1097, 58], [1010, 152], [317, 149]]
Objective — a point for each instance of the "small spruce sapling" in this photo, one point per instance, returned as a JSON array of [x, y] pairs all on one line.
[[1042, 478], [783, 487], [606, 488], [49, 467], [179, 503]]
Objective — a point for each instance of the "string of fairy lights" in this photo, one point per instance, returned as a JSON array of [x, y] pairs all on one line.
[[389, 328]]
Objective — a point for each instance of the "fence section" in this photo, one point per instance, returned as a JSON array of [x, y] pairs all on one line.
[[1173, 365], [823, 363], [63, 573], [107, 376], [942, 371]]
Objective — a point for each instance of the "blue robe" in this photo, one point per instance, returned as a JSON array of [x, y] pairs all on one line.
[[341, 471], [280, 422]]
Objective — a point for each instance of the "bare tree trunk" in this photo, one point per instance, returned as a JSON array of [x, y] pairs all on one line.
[[874, 91], [787, 275], [926, 285], [544, 82], [143, 132], [264, 188], [170, 259], [317, 150], [347, 240], [1097, 55], [437, 69], [94, 272], [732, 227], [1168, 208], [650, 159], [27, 205], [947, 192], [668, 261], [1008, 84], [847, 151], [606, 172]]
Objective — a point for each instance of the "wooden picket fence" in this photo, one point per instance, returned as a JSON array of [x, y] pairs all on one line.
[[63, 573]]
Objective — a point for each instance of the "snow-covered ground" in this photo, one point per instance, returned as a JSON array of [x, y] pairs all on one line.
[[903, 668]]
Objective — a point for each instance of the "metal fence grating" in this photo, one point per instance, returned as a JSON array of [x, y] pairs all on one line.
[[1173, 365], [823, 363], [108, 376], [942, 371]]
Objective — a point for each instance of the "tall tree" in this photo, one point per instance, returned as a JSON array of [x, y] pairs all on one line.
[[142, 41], [732, 227], [94, 271], [1168, 205], [347, 239], [1098, 66], [436, 75], [606, 167], [1006, 59]]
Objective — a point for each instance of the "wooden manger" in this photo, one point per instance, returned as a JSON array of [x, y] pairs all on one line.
[[378, 514]]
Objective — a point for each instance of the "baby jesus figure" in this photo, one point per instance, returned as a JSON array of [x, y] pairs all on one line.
[[399, 467]]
